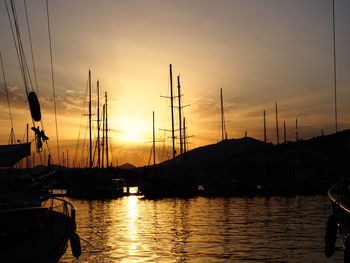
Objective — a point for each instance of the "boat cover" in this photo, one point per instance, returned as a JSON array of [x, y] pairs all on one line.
[[12, 153]]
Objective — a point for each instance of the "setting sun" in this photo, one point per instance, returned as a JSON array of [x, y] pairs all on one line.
[[131, 136]]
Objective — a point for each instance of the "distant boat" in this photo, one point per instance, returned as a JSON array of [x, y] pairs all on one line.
[[95, 183], [174, 180]]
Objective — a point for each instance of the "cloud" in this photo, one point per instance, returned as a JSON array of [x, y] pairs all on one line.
[[71, 105]]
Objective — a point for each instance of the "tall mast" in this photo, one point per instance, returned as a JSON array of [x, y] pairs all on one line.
[[223, 128], [277, 134], [154, 144], [172, 110], [27, 158], [103, 135], [180, 118], [107, 164], [264, 126], [98, 126], [335, 74], [184, 135], [296, 130], [284, 132], [90, 131]]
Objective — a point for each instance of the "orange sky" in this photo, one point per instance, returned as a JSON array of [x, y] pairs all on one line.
[[259, 52]]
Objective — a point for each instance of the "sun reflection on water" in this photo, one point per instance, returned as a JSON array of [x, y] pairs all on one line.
[[132, 231]]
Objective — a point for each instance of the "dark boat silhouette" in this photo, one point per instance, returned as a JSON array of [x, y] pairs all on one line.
[[339, 221], [35, 226]]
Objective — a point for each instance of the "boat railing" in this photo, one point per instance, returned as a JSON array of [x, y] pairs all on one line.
[[61, 206], [337, 199], [339, 195]]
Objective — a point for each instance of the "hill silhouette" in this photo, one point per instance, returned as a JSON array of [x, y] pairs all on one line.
[[216, 153], [126, 166]]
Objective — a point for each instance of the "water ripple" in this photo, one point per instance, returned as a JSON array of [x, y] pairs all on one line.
[[274, 230]]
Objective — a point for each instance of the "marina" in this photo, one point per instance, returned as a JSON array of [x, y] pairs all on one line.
[[247, 156]]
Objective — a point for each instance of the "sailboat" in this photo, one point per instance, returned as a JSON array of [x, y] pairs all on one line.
[[97, 182], [339, 194], [172, 180], [35, 225]]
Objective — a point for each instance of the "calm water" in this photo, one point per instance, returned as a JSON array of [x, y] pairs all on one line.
[[201, 229]]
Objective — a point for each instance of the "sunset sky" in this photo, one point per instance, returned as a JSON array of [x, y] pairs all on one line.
[[259, 51]]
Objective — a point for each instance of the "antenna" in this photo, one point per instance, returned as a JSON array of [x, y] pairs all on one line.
[[284, 132]]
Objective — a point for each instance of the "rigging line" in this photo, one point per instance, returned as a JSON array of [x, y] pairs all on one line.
[[23, 62], [150, 156], [34, 71], [15, 42], [20, 53], [18, 43], [6, 90], [53, 80], [12, 31], [23, 57], [335, 73], [31, 48], [80, 123]]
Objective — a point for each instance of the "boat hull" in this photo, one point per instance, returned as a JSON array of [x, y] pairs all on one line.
[[36, 234]]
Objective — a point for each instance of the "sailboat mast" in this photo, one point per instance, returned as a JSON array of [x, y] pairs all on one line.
[[223, 128], [296, 130], [106, 111], [277, 134], [172, 110], [98, 126], [184, 135], [103, 135], [264, 126], [27, 158], [335, 73], [285, 132], [180, 119], [154, 144], [90, 131]]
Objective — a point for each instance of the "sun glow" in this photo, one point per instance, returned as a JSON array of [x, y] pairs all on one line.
[[132, 130], [131, 136]]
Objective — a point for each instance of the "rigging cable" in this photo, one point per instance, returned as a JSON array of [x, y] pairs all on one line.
[[17, 41], [34, 70], [21, 55], [75, 160], [6, 90], [31, 48], [53, 80]]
